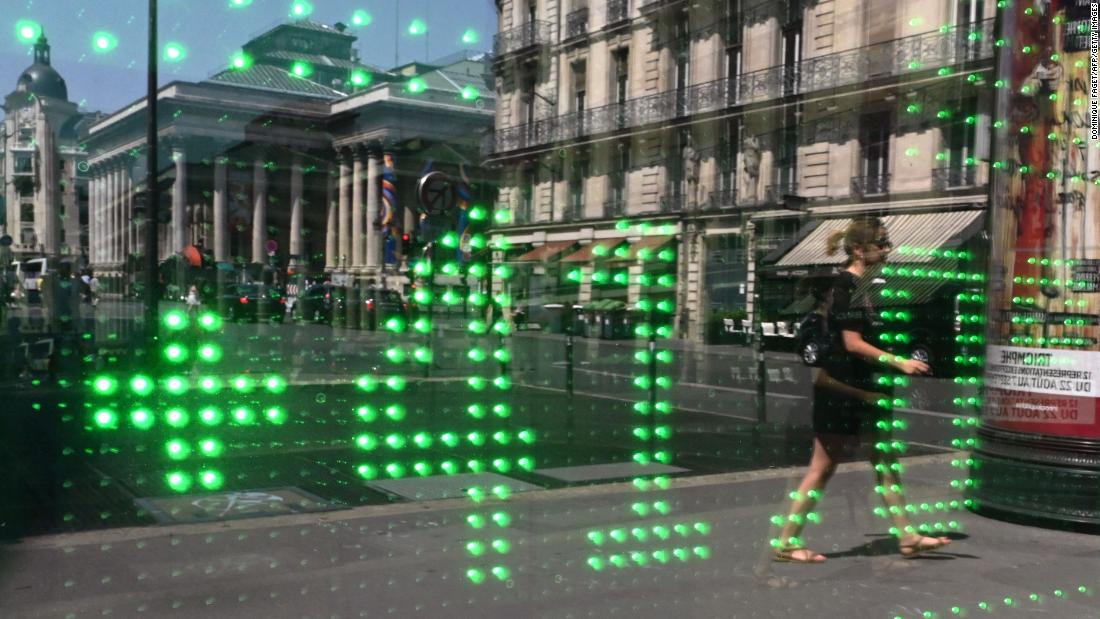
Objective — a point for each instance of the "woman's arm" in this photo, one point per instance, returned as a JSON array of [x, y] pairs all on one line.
[[856, 345], [825, 380]]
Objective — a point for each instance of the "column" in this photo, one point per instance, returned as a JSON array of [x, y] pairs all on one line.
[[112, 214], [374, 189], [331, 232], [259, 210], [94, 221], [221, 214], [345, 213], [357, 212], [296, 257], [179, 202]]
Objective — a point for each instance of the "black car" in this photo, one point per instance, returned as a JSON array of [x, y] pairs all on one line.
[[377, 306], [316, 303], [252, 302]]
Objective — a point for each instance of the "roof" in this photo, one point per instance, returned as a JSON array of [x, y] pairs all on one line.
[[272, 78], [317, 60], [923, 230], [588, 252], [305, 24], [545, 252]]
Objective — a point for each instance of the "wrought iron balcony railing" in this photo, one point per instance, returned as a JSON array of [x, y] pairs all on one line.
[[522, 37], [576, 23], [954, 178], [647, 6], [871, 185], [723, 198], [617, 11], [888, 59], [614, 208], [774, 194]]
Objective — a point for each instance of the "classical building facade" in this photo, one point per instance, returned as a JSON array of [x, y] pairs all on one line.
[[278, 162], [43, 167], [738, 127]]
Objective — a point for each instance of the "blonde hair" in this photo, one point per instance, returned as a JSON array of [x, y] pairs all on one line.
[[861, 232]]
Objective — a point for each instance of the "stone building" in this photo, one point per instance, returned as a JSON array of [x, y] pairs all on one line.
[[275, 164], [43, 168], [739, 126]]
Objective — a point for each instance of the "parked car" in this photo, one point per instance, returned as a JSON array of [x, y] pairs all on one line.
[[250, 302], [316, 303]]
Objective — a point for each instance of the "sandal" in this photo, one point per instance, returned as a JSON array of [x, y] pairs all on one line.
[[922, 544], [797, 554]]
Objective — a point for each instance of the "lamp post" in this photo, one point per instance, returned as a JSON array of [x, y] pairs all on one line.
[[152, 202]]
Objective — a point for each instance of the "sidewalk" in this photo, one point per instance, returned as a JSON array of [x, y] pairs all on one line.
[[412, 559]]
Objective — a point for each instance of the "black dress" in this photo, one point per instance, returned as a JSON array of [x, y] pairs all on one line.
[[839, 413]]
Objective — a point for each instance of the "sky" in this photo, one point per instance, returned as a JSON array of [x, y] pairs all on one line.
[[210, 31]]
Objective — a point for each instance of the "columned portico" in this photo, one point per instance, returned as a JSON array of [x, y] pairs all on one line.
[[259, 209], [179, 201], [221, 211], [296, 199], [357, 212], [374, 189]]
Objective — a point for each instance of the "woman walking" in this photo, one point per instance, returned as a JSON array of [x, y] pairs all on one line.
[[846, 410]]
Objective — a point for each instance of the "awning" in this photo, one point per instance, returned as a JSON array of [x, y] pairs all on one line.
[[604, 305], [545, 252], [651, 243], [590, 251], [924, 230]]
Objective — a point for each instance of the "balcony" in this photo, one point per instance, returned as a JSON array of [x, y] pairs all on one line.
[[647, 7], [777, 193], [945, 179], [522, 37], [723, 198], [614, 208], [890, 59], [576, 23], [871, 185], [617, 11]]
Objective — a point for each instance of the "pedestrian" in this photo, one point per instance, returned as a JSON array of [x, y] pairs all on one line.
[[846, 409], [93, 289], [193, 300]]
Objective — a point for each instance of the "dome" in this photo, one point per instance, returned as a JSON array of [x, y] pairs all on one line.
[[40, 79], [44, 81]]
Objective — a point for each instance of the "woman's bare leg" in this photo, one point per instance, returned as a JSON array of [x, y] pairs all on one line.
[[822, 466]]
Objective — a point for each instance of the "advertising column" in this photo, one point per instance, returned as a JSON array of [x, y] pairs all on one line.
[[1038, 452]]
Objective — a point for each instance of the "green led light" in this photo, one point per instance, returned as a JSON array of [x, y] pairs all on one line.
[[210, 353], [361, 18], [27, 31], [242, 415], [422, 355], [478, 213], [104, 42], [418, 27], [367, 383], [502, 410], [360, 78], [141, 385], [301, 69], [211, 480], [177, 449], [211, 447], [174, 52], [177, 418], [396, 325], [210, 384], [141, 419], [475, 575], [210, 321], [470, 37], [239, 4], [470, 92], [239, 61], [106, 419], [276, 415], [104, 385], [210, 416], [422, 325], [175, 353], [396, 383], [175, 320], [178, 481], [300, 9], [395, 470], [176, 385], [416, 85], [502, 216], [502, 355], [242, 384]]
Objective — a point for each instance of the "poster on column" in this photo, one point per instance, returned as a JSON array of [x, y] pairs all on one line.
[[1043, 358]]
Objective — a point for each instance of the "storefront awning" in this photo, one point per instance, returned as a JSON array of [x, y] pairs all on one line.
[[650, 243], [924, 230], [545, 252], [592, 250]]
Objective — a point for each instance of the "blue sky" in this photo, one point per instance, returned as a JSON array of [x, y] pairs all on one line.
[[210, 31]]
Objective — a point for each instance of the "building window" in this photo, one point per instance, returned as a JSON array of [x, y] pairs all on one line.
[[532, 11], [792, 56], [580, 86], [26, 213], [874, 152], [620, 169], [729, 148], [27, 237], [734, 61], [621, 63], [527, 194], [577, 177]]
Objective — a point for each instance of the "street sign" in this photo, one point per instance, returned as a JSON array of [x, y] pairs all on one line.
[[1086, 272], [6, 240], [272, 246]]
